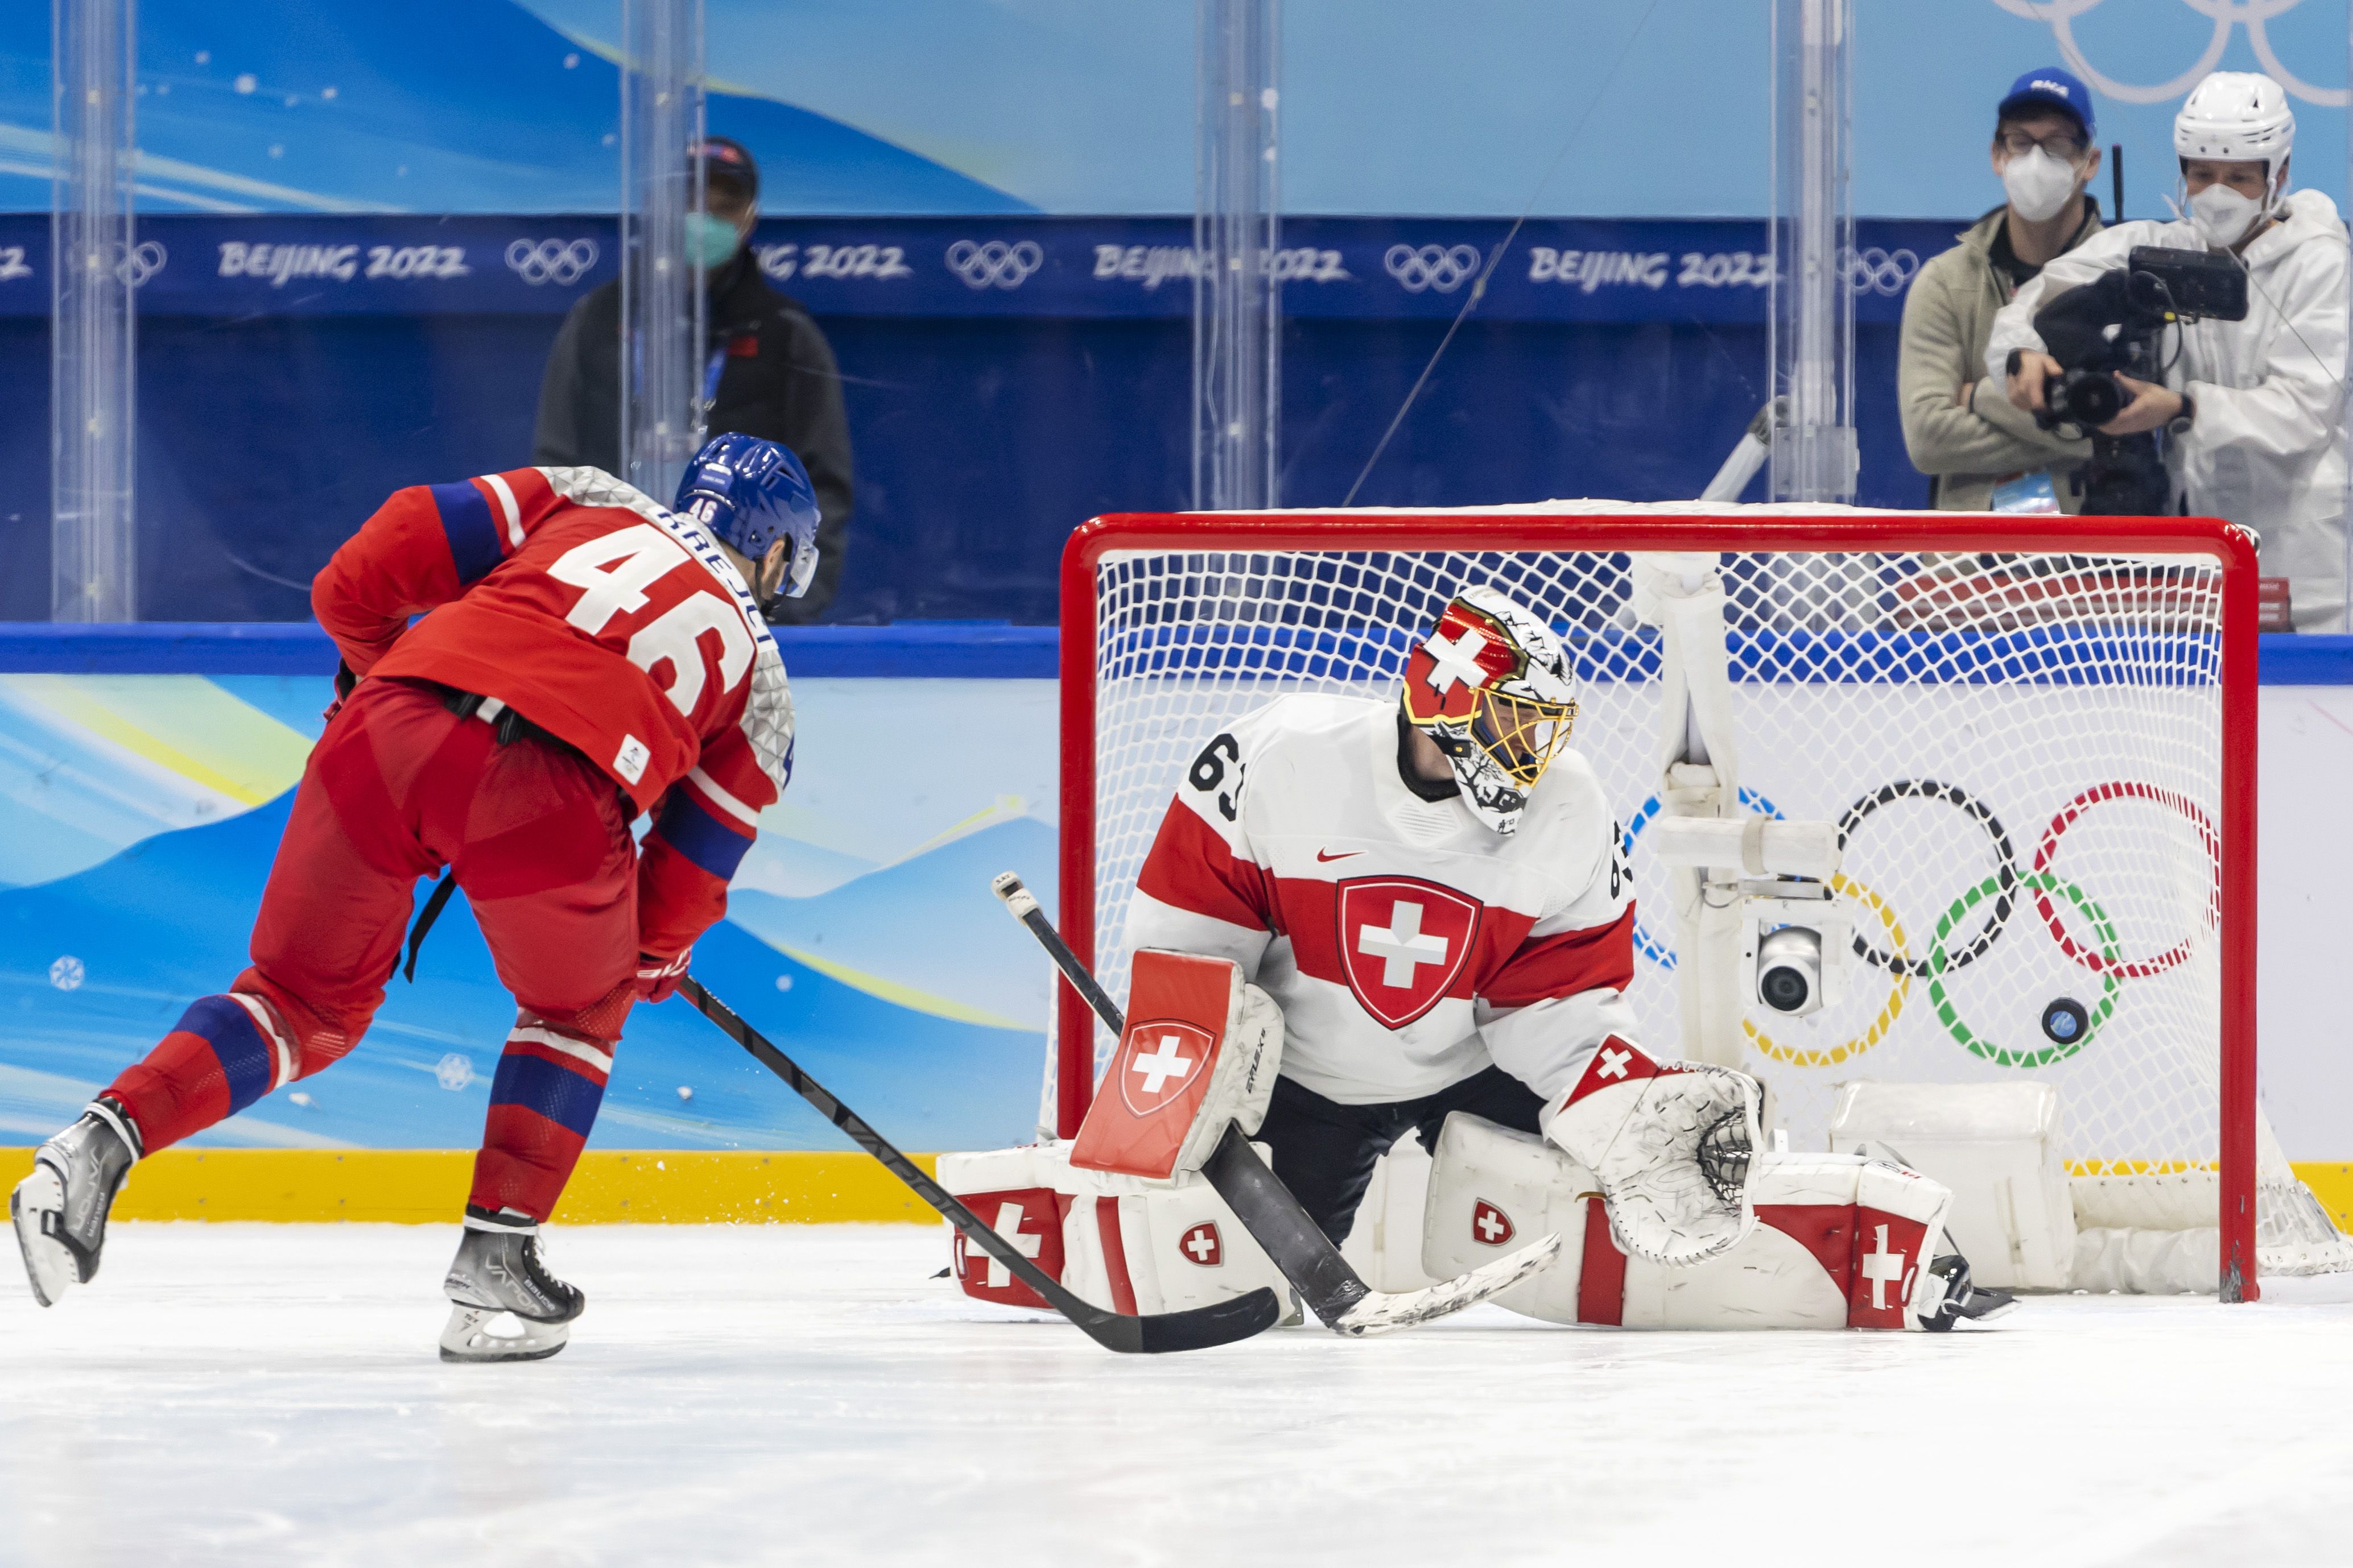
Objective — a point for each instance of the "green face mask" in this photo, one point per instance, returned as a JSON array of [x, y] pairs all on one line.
[[709, 241]]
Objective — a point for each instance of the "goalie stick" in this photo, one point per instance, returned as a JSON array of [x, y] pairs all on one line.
[[1221, 1323], [1276, 1220]]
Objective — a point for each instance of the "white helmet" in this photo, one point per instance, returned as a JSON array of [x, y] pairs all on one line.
[[2236, 117]]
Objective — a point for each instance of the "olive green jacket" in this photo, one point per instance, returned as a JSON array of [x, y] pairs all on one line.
[[1947, 316]]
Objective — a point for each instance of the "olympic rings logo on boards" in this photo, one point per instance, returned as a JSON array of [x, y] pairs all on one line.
[[2228, 16], [995, 264], [1876, 271], [556, 261], [1442, 268], [140, 262]]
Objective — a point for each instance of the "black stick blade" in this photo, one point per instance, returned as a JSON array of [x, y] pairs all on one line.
[[1220, 1323]]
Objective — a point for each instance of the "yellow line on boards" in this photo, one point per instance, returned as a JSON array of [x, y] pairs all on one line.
[[428, 1186]]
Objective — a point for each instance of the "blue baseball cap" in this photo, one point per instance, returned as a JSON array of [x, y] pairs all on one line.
[[2050, 87]]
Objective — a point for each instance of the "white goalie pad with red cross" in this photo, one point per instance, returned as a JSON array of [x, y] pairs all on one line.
[[1130, 1244], [1841, 1241], [1201, 1049]]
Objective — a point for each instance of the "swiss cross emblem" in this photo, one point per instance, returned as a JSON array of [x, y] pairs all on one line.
[[1463, 654], [1202, 1245], [1490, 1227], [1402, 942], [1157, 1060]]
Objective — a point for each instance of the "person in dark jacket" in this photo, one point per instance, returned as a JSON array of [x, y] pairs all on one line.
[[774, 373]]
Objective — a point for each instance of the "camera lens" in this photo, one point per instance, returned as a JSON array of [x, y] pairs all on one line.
[[1784, 989], [2086, 397], [1788, 969]]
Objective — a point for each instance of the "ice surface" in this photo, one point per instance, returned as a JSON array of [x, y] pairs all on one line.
[[269, 1394]]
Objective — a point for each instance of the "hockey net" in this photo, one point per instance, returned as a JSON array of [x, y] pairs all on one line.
[[2038, 742]]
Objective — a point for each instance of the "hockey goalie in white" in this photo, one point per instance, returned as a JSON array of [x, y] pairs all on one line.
[[1431, 895]]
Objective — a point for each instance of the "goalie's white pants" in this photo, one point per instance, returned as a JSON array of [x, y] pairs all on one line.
[[1841, 1242]]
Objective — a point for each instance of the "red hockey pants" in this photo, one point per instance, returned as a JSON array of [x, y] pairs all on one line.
[[398, 787]]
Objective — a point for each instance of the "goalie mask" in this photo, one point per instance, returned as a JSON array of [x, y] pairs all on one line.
[[1493, 688]]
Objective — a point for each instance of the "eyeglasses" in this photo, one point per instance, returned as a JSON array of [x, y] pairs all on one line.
[[2059, 144]]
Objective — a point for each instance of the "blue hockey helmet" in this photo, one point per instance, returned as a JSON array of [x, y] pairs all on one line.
[[750, 493]]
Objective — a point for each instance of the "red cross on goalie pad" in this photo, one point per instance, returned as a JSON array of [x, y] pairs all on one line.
[[1028, 1217], [1178, 1010], [1887, 1265]]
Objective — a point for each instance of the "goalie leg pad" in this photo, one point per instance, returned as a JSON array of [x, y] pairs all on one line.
[[1134, 1245], [1841, 1242], [1202, 1049]]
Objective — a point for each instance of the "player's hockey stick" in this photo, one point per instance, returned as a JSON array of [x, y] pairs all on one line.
[[1218, 1324], [1268, 1210]]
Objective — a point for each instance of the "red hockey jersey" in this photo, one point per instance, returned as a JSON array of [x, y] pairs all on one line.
[[608, 621]]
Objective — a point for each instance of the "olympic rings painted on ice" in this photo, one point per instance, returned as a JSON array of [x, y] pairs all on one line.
[[2005, 873], [995, 265], [2228, 15], [1646, 944], [2039, 882], [558, 261], [1899, 987], [1431, 267], [2102, 964]]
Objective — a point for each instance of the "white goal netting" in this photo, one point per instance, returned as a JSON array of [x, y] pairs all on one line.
[[2024, 752]]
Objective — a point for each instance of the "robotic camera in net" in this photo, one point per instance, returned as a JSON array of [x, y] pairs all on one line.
[[2115, 325]]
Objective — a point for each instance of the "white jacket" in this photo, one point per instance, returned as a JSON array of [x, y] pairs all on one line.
[[2267, 448]]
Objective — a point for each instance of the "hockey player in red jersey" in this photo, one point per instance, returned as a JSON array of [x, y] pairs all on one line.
[[1433, 892], [588, 656]]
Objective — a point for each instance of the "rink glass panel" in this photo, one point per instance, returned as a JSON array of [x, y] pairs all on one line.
[[2027, 746]]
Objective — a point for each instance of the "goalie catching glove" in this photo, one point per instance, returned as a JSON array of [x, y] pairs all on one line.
[[1671, 1146]]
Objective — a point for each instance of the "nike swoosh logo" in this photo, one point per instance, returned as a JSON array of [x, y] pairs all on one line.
[[1326, 854]]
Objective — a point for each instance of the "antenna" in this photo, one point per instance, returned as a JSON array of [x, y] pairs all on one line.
[[2116, 183]]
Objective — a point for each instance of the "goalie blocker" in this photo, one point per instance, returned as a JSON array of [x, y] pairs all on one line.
[[1121, 1214]]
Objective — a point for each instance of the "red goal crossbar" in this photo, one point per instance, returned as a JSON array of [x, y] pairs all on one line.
[[2231, 547]]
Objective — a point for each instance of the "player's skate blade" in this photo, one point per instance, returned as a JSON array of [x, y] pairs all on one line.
[[60, 1211], [505, 1305], [490, 1334], [1381, 1311]]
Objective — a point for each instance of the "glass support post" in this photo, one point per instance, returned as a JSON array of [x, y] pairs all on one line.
[[93, 271], [1237, 235], [664, 307], [1814, 454]]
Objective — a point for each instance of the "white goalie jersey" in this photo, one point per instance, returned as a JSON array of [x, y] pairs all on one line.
[[1409, 945]]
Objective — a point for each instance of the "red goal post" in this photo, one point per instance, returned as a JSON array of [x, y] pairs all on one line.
[[2094, 626]]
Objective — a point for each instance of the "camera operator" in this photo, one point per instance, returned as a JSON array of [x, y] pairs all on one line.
[[2252, 410], [1979, 453]]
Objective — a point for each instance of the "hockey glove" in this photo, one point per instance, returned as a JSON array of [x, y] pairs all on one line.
[[1672, 1147], [345, 681], [657, 977]]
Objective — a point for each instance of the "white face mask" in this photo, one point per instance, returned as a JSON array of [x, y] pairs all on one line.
[[2221, 216], [2038, 186]]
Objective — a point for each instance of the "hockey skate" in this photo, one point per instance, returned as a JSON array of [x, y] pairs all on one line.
[[506, 1305], [61, 1209], [1964, 1298]]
